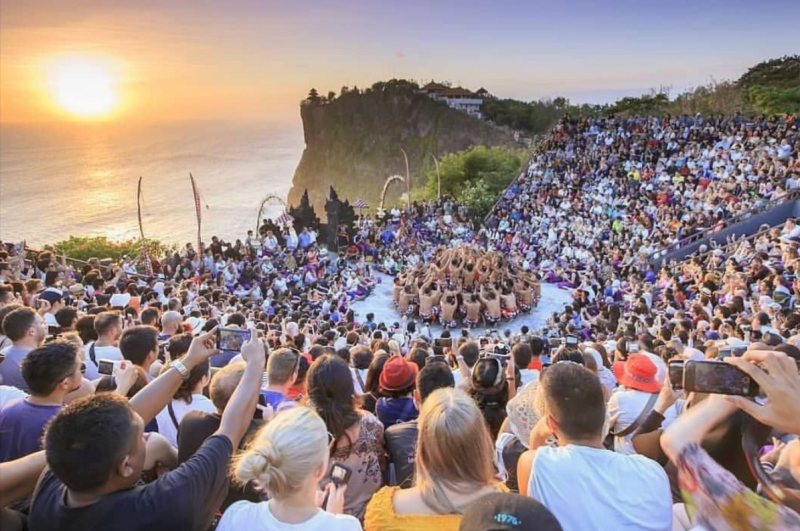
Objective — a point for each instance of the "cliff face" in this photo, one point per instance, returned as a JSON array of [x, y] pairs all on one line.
[[354, 142]]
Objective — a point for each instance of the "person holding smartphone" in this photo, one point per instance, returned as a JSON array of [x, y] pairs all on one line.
[[288, 457]]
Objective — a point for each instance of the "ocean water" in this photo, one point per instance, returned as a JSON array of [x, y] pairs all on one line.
[[58, 180]]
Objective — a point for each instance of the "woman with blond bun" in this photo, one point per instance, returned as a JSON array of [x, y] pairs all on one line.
[[287, 458], [453, 469]]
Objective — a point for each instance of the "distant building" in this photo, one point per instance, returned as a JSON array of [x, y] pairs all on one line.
[[457, 98]]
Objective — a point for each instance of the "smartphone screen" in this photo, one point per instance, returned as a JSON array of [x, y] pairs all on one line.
[[717, 378], [232, 339], [676, 374], [340, 474], [443, 342]]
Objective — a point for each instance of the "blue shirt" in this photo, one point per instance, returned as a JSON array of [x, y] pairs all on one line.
[[9, 369], [21, 428]]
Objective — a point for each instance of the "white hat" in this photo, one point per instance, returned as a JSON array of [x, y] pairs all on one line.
[[196, 323], [119, 300]]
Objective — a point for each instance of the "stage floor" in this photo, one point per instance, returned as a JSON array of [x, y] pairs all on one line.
[[380, 303]]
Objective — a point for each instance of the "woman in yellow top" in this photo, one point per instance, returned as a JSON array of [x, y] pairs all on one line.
[[453, 469]]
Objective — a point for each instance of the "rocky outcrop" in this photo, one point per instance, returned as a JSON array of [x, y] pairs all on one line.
[[354, 142]]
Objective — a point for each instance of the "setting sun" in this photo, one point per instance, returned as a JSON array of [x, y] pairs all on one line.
[[85, 88]]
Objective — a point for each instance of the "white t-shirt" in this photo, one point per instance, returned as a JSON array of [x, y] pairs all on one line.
[[9, 393], [629, 404], [528, 376], [50, 319], [258, 517], [100, 353], [589, 489], [166, 426]]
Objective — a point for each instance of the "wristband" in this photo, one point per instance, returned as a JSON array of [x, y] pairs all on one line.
[[181, 368]]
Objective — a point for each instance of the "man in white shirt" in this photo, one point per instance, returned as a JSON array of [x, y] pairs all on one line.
[[587, 487], [56, 302], [108, 326]]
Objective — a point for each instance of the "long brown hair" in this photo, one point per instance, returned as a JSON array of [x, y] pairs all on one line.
[[330, 393]]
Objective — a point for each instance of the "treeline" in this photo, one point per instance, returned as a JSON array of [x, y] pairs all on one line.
[[769, 88], [394, 85]]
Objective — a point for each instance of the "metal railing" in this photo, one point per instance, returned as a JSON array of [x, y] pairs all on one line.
[[725, 248], [709, 231]]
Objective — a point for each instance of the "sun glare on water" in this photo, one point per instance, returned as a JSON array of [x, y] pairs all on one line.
[[84, 87]]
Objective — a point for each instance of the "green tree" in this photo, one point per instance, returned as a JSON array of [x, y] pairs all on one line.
[[331, 96], [313, 96], [783, 72], [478, 198], [495, 167], [772, 100]]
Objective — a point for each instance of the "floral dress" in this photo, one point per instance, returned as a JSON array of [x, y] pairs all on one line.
[[717, 501], [367, 459]]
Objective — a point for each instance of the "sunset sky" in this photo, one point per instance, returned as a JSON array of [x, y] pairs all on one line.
[[255, 59]]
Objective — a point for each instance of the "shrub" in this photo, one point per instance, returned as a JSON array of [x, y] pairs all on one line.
[[83, 248]]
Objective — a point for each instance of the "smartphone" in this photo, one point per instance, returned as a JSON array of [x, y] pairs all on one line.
[[258, 414], [340, 474], [232, 339], [676, 374], [53, 330], [108, 367], [443, 342], [717, 377]]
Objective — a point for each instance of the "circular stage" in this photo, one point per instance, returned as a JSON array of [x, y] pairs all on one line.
[[381, 304]]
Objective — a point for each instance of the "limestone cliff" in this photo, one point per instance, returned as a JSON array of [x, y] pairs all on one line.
[[353, 142]]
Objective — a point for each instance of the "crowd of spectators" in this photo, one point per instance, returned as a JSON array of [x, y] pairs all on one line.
[[118, 409]]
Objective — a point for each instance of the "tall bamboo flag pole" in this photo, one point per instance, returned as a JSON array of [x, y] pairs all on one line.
[[197, 209], [408, 181], [438, 178], [148, 265]]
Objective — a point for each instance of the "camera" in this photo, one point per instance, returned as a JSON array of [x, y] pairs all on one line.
[[108, 367]]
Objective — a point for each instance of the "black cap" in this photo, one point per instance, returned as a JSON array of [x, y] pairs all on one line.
[[508, 512]]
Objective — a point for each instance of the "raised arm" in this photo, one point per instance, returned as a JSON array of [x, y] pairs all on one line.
[[239, 411], [156, 395]]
